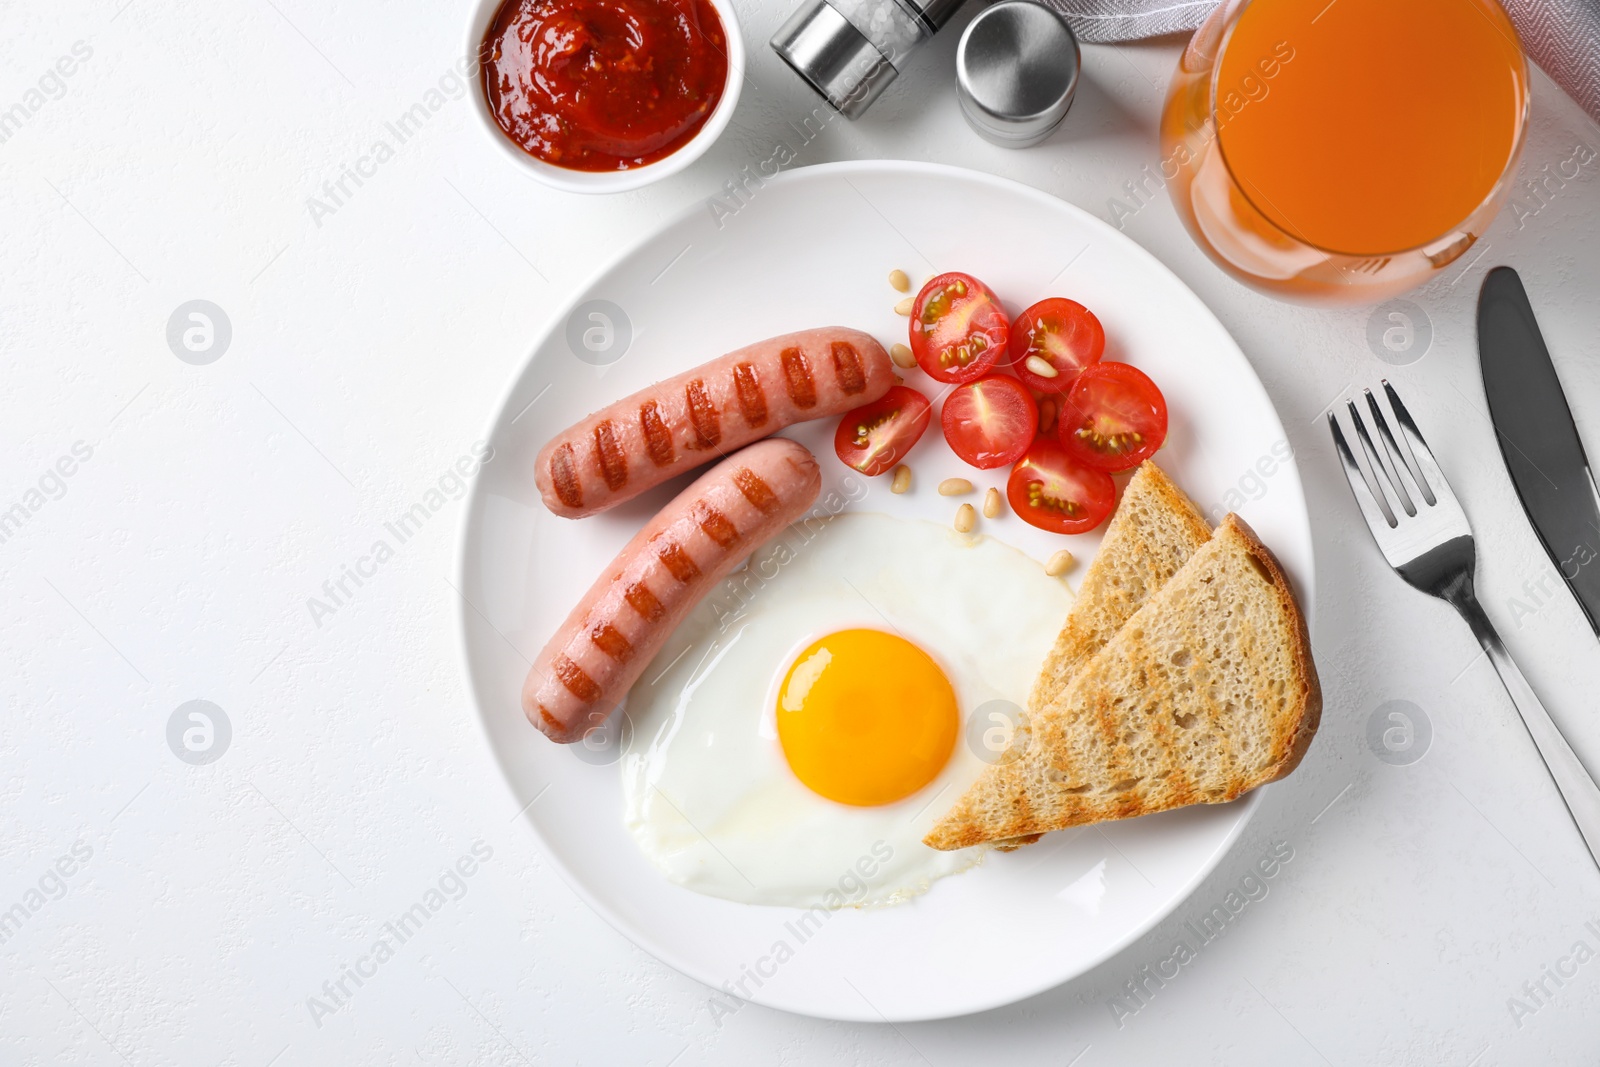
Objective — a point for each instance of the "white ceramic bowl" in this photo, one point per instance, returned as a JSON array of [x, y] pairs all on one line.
[[612, 181]]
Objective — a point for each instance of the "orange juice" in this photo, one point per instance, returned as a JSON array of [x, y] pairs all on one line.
[[1388, 125]]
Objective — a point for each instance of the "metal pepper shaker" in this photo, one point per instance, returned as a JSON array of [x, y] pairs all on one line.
[[850, 50], [1016, 72]]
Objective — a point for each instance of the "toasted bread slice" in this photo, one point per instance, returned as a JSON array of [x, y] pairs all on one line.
[[1154, 532], [1205, 693]]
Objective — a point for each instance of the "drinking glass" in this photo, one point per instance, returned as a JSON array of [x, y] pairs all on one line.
[[1344, 152]]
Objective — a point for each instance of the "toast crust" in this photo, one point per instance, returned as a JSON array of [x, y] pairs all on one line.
[[1001, 807], [1310, 716]]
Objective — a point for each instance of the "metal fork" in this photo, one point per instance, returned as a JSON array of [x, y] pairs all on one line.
[[1424, 535]]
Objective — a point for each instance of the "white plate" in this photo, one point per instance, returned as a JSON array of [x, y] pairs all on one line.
[[812, 248]]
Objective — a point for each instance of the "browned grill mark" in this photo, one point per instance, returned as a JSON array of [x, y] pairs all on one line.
[[847, 367], [608, 454], [549, 719], [564, 476], [755, 490], [642, 600], [703, 414], [657, 438], [752, 401], [716, 525], [797, 376], [609, 639], [578, 683], [677, 561]]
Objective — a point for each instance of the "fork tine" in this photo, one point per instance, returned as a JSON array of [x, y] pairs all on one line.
[[1382, 478], [1396, 461], [1434, 484], [1402, 445], [1373, 507]]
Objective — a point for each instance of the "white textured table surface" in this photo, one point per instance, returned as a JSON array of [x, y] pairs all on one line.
[[154, 912]]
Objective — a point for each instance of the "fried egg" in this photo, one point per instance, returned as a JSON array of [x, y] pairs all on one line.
[[809, 722]]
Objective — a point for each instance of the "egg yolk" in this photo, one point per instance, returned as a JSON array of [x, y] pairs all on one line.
[[866, 717]]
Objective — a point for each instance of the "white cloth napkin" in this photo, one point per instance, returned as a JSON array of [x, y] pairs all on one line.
[[1562, 36]]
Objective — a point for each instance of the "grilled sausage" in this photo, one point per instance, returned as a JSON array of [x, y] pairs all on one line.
[[675, 425], [669, 566]]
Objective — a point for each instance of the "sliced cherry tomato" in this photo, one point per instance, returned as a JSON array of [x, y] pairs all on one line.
[[990, 422], [1113, 418], [1048, 490], [1064, 334], [958, 328], [873, 438]]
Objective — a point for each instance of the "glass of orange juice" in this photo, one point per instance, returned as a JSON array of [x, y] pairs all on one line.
[[1344, 151]]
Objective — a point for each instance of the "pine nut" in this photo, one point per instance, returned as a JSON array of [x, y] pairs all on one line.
[[1059, 564], [991, 504], [902, 356], [900, 280], [904, 307], [966, 518], [902, 479], [955, 487], [1041, 366]]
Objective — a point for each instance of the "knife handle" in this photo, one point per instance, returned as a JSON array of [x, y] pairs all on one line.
[[1577, 787]]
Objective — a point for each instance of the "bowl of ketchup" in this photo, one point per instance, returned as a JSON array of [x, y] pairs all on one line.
[[600, 96]]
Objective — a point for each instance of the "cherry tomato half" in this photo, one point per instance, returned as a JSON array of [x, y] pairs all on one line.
[[990, 422], [958, 328], [873, 438], [1048, 490], [1064, 334], [1113, 418]]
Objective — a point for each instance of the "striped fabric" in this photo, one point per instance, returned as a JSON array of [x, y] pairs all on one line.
[[1563, 37]]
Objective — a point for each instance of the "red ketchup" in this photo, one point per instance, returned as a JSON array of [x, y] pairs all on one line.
[[603, 84]]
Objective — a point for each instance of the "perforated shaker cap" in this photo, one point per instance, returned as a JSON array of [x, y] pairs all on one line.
[[1016, 70]]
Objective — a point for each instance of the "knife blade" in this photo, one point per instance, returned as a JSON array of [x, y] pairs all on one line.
[[1537, 437]]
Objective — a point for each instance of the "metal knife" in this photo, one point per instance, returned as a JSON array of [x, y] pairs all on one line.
[[1538, 439]]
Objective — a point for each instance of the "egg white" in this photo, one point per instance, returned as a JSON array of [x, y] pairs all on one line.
[[708, 795]]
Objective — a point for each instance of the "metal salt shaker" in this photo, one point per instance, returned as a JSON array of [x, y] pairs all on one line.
[[850, 50]]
